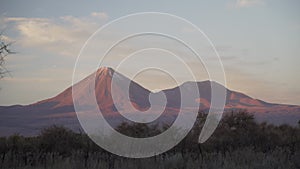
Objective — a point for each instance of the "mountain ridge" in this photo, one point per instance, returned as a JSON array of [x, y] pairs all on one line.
[[60, 108]]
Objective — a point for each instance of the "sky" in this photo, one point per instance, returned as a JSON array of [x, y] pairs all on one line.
[[257, 40]]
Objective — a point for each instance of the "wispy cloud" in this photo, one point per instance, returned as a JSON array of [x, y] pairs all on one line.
[[61, 35], [248, 3], [100, 15]]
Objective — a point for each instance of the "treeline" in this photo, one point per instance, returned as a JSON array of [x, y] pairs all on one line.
[[238, 142]]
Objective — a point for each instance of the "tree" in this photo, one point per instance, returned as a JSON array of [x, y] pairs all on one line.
[[58, 139], [4, 51]]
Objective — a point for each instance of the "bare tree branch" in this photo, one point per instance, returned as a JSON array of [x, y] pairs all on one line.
[[4, 51]]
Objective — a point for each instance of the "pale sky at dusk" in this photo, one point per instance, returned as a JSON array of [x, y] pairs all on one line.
[[258, 42]]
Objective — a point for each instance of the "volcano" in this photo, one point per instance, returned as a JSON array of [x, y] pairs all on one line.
[[59, 110]]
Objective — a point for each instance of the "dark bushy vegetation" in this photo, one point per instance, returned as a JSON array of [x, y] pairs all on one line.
[[238, 142]]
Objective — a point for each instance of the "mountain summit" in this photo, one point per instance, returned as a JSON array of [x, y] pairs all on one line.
[[103, 92]]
